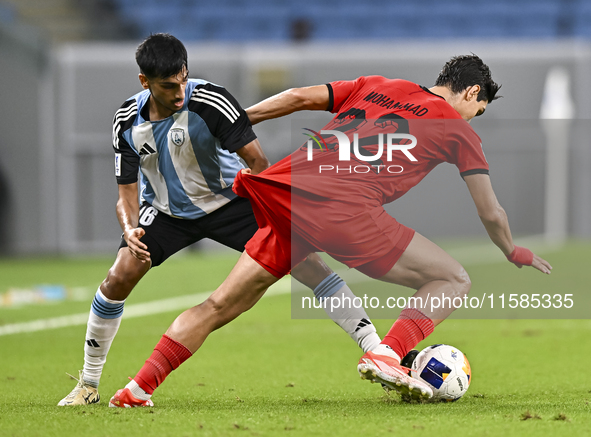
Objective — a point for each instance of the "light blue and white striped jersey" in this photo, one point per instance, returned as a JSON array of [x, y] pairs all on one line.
[[186, 161]]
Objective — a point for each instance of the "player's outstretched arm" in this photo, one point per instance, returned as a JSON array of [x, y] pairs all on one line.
[[254, 157], [128, 211], [495, 221], [313, 98]]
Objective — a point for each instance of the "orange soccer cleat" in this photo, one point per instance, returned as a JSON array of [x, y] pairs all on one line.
[[124, 399], [387, 370]]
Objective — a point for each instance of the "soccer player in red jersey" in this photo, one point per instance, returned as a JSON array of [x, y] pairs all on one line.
[[387, 135]]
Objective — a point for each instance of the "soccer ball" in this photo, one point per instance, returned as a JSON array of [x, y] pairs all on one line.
[[445, 369]]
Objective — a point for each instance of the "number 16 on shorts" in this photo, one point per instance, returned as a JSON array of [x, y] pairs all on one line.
[[147, 215]]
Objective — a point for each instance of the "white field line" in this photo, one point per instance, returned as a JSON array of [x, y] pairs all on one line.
[[485, 254], [131, 311]]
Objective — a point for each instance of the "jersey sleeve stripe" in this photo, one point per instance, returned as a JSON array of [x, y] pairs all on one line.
[[475, 171], [219, 97], [124, 114], [219, 108], [121, 117], [330, 98]]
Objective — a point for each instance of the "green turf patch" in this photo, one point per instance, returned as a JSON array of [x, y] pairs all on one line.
[[266, 374]]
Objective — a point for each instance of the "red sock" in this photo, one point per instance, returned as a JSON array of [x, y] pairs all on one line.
[[409, 330], [167, 356]]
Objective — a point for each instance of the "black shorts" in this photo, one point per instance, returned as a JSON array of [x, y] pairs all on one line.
[[232, 225]]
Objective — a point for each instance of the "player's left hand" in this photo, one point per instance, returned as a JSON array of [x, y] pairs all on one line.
[[522, 256], [541, 264]]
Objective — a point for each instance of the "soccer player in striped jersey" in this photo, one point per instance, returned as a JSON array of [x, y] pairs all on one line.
[[186, 139]]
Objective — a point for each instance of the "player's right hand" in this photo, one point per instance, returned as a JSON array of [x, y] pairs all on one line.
[[136, 247]]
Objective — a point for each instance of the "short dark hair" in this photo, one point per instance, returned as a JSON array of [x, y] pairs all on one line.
[[161, 55], [462, 72]]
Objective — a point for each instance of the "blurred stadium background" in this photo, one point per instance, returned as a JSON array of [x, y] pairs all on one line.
[[67, 65]]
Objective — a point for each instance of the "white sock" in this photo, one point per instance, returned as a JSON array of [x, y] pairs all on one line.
[[137, 391], [103, 323], [384, 349], [354, 321]]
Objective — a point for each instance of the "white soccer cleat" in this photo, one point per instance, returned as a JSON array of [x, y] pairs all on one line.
[[83, 394], [388, 371]]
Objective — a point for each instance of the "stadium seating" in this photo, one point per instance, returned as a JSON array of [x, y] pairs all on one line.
[[582, 21], [240, 20], [7, 13]]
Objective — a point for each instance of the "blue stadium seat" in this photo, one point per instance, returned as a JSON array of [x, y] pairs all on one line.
[[446, 21], [237, 24], [535, 20], [152, 19], [240, 20], [582, 21], [7, 13]]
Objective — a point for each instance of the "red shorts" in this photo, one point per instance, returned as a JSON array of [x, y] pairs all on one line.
[[294, 224]]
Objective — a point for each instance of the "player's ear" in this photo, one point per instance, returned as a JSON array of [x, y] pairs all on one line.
[[144, 81], [472, 92]]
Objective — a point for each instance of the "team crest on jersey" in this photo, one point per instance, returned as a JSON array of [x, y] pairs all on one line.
[[177, 136]]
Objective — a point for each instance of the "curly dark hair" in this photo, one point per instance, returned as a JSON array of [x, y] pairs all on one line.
[[462, 72]]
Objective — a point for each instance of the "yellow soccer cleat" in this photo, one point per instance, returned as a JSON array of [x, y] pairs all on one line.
[[83, 394]]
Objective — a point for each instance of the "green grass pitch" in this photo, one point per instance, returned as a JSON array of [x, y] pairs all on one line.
[[266, 374]]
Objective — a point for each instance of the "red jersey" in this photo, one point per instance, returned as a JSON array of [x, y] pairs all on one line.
[[372, 106], [328, 195]]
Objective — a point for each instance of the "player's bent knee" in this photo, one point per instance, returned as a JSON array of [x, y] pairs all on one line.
[[214, 306], [463, 282], [118, 284]]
